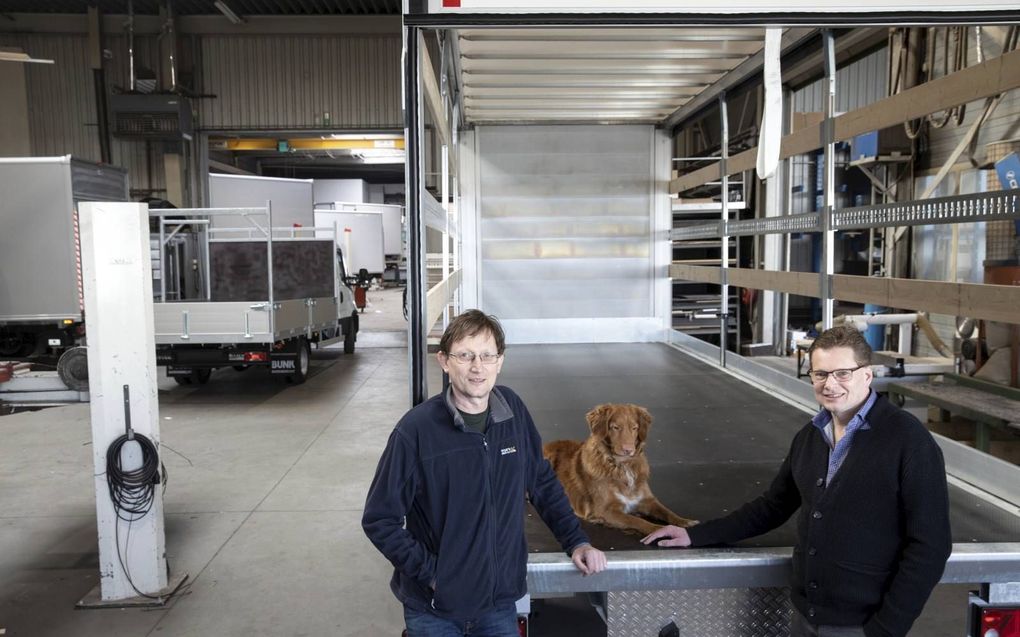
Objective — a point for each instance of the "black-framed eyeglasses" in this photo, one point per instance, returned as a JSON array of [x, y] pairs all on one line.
[[466, 358], [820, 375]]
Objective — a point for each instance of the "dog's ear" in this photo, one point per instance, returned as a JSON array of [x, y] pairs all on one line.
[[598, 420], [644, 419]]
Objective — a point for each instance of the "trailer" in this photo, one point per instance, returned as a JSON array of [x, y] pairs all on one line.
[[566, 202], [266, 295], [41, 310]]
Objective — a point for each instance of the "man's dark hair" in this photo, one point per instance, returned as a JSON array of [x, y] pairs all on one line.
[[844, 336], [469, 324]]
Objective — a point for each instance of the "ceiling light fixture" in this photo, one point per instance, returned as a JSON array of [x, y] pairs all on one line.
[[17, 56], [227, 12]]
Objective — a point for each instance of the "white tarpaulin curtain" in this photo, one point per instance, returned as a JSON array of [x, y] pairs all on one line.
[[771, 135]]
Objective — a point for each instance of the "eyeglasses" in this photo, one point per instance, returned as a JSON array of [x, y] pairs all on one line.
[[820, 375], [466, 358]]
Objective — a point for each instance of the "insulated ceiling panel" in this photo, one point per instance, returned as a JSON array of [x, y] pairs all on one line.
[[593, 75]]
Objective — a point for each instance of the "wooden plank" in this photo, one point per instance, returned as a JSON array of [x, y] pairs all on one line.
[[801, 283], [697, 273], [973, 83], [973, 404], [991, 302], [439, 296], [992, 388], [433, 98]]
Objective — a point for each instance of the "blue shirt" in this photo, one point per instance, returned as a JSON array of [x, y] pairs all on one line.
[[838, 451]]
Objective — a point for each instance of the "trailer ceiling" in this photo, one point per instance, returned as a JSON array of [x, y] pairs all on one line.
[[586, 75]]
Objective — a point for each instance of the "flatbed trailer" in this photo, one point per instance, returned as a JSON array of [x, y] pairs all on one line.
[[269, 295], [715, 443]]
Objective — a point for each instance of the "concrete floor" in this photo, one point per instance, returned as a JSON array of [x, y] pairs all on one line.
[[263, 506]]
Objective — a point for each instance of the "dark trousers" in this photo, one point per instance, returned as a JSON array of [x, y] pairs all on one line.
[[801, 627]]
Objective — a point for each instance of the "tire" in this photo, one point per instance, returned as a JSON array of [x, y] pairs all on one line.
[[239, 368], [201, 376], [301, 363], [351, 334], [73, 368], [198, 376]]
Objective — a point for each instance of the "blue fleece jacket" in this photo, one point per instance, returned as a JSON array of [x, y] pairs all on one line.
[[462, 495]]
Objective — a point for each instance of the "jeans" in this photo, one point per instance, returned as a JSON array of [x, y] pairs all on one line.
[[800, 627], [500, 622]]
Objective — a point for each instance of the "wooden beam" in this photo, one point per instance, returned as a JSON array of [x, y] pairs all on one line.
[[701, 274], [990, 302], [433, 98], [987, 79], [800, 283], [439, 296]]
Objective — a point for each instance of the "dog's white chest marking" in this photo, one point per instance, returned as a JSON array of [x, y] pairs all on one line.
[[627, 498], [628, 503]]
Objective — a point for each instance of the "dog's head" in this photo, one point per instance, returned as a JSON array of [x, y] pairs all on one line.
[[621, 427]]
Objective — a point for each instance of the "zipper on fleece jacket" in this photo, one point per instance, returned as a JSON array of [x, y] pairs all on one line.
[[492, 509]]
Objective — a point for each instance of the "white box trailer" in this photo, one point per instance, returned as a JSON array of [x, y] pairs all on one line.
[[41, 311], [532, 81]]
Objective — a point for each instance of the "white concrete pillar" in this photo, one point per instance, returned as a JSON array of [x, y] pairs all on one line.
[[117, 277]]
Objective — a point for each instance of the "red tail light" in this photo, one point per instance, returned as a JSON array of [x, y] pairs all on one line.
[[522, 626], [1000, 622], [255, 357]]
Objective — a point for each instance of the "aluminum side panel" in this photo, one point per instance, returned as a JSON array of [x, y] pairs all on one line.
[[205, 323]]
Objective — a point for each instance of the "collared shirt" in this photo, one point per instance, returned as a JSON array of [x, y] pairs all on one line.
[[838, 451]]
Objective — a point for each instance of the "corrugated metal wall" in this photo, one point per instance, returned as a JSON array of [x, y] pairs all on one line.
[[858, 84], [260, 82], [61, 100], [289, 82]]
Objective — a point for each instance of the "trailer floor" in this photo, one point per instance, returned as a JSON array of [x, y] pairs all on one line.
[[267, 482]]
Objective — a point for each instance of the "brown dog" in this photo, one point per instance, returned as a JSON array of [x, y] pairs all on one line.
[[606, 476]]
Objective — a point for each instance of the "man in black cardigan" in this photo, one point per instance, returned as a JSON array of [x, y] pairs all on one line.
[[870, 482]]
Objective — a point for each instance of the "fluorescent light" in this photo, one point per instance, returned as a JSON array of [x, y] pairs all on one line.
[[17, 56], [227, 12], [379, 156], [382, 160], [364, 137]]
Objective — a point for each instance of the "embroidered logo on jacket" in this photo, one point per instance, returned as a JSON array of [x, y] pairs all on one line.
[[505, 450]]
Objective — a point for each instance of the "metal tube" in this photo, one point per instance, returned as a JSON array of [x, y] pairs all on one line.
[[131, 45], [269, 265], [445, 202], [828, 235], [415, 227], [173, 44], [724, 155], [206, 271], [162, 260]]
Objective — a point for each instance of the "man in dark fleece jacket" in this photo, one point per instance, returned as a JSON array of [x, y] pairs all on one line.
[[446, 506], [870, 482]]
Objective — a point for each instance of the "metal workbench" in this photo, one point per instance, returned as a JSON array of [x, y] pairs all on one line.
[[715, 443]]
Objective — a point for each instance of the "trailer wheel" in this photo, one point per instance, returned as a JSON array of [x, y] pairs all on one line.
[[351, 334], [201, 376], [196, 377], [239, 368], [301, 362], [73, 368]]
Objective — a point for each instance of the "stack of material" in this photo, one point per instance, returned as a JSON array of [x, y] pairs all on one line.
[[10, 369]]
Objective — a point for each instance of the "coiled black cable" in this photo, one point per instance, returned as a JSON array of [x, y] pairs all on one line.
[[132, 491]]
